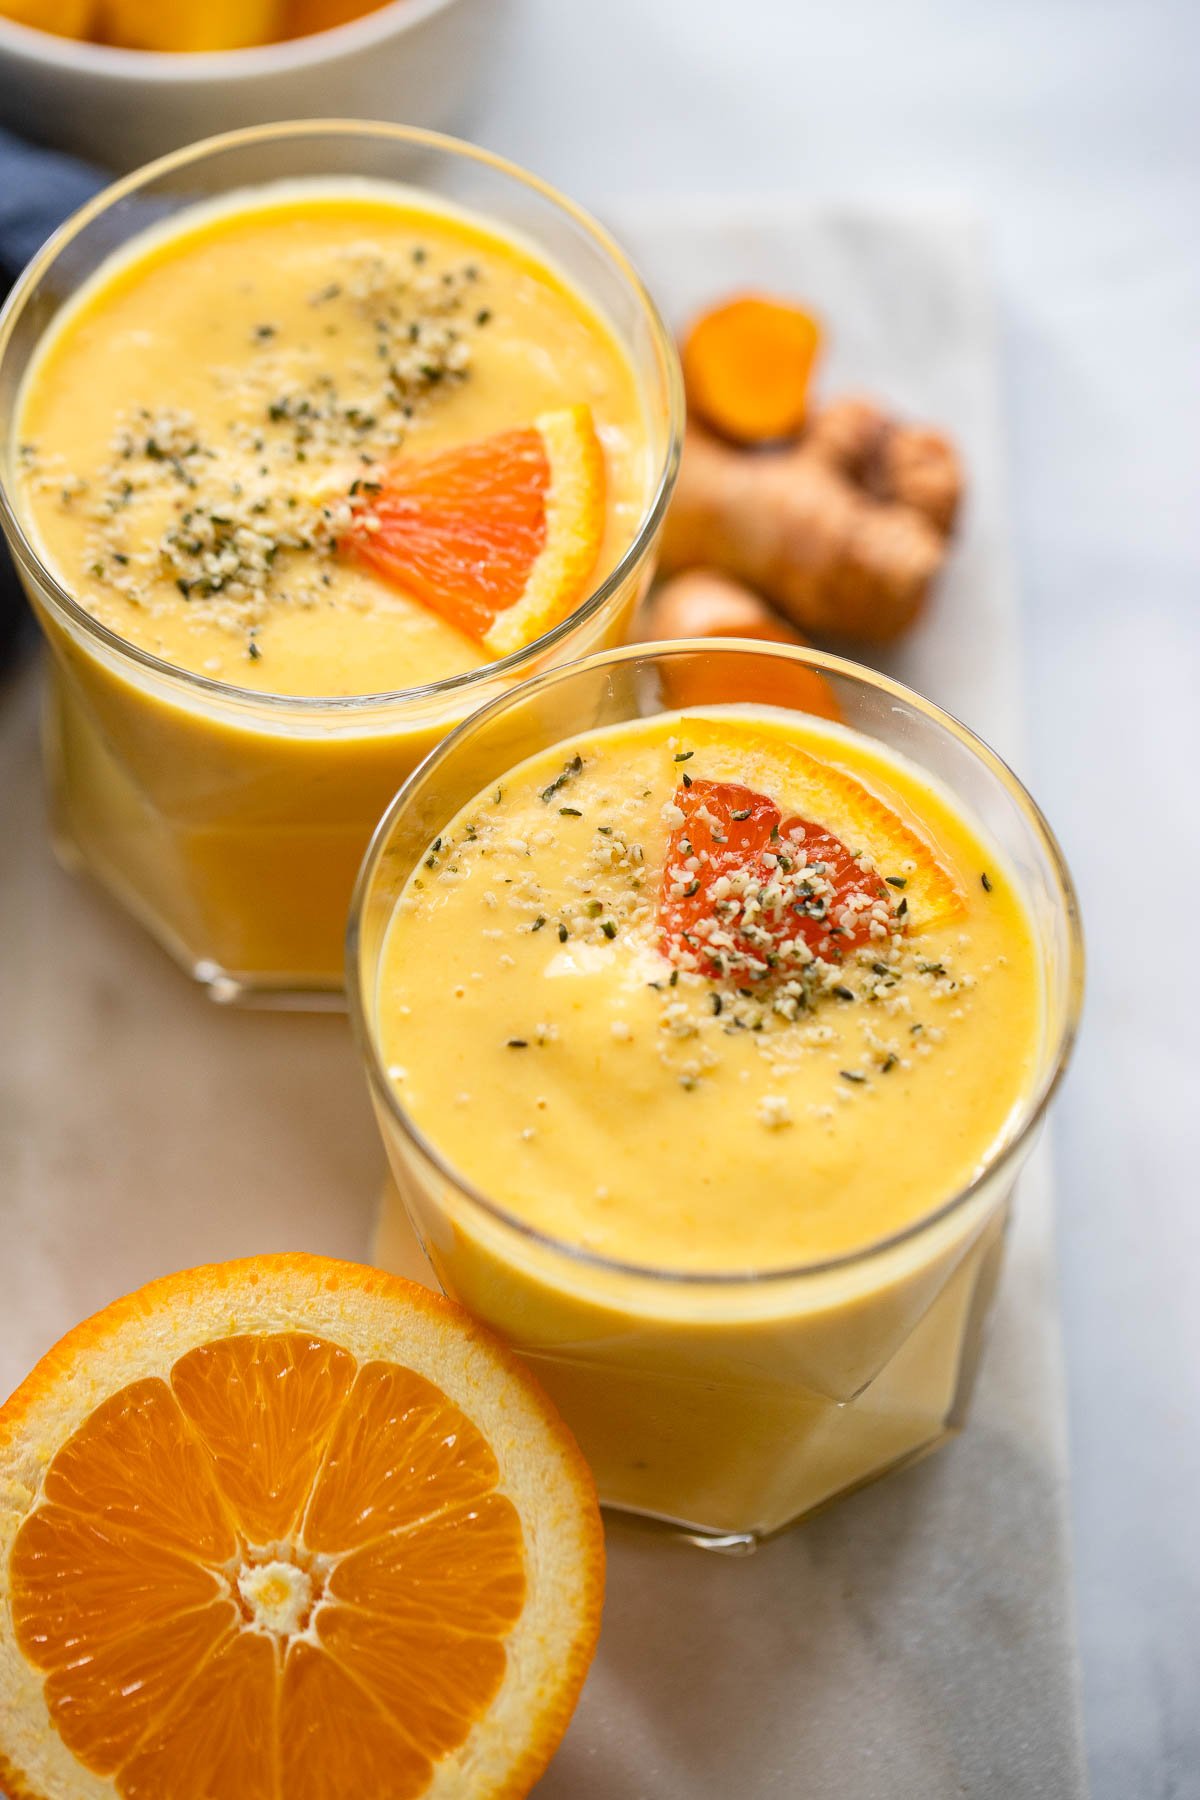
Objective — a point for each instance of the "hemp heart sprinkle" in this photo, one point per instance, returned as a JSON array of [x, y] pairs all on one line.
[[249, 518]]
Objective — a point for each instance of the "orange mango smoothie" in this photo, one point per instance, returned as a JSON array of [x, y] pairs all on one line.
[[271, 450], [708, 1013]]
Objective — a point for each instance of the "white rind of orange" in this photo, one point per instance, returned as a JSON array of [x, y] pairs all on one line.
[[824, 792], [375, 1317], [574, 528]]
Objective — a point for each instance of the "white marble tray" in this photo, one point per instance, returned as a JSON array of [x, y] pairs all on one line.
[[915, 1642]]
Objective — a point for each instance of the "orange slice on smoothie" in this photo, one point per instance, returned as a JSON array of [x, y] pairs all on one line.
[[742, 884], [286, 1529], [499, 536], [925, 891]]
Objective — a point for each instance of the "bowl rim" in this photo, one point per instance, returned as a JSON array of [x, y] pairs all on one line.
[[175, 68], [1006, 1155], [321, 706]]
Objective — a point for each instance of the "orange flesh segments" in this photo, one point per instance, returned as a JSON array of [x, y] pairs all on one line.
[[498, 536], [742, 879], [279, 1570], [381, 1426], [462, 530]]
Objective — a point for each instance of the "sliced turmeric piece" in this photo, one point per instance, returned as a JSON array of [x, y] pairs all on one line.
[[747, 365]]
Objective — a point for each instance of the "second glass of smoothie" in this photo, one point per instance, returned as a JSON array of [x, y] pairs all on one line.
[[711, 996], [313, 438]]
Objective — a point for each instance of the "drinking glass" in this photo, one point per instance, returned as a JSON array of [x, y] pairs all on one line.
[[232, 822], [729, 1404]]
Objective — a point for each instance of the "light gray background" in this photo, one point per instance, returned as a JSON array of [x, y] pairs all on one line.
[[1073, 128]]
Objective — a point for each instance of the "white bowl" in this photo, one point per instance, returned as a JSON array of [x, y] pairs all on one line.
[[413, 61]]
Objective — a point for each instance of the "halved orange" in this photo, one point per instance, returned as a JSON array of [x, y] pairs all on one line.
[[824, 792], [288, 1529], [498, 536]]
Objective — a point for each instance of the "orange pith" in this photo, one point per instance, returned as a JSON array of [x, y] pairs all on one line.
[[277, 1571], [498, 536]]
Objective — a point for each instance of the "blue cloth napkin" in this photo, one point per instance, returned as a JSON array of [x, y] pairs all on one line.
[[38, 190]]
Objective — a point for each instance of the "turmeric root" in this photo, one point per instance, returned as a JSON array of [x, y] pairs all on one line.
[[910, 464], [746, 367], [844, 533], [702, 604]]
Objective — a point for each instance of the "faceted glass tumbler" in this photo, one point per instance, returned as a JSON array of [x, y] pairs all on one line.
[[230, 822], [729, 1405]]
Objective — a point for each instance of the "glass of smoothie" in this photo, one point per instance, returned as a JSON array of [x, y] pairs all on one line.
[[711, 996], [312, 439]]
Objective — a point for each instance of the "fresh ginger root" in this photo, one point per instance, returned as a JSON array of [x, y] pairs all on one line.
[[701, 603], [844, 533], [747, 365]]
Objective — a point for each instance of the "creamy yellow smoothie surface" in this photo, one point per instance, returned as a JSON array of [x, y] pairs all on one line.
[[717, 991], [190, 431]]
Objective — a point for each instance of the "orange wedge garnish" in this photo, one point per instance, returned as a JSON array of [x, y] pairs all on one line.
[[288, 1529], [500, 536], [825, 793], [728, 830]]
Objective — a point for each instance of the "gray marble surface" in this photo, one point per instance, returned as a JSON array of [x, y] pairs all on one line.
[[1072, 128], [151, 1130]]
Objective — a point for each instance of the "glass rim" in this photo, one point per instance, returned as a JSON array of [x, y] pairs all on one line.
[[447, 686], [1006, 1154]]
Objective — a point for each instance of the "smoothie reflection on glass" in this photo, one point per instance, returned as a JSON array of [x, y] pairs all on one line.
[[711, 996], [313, 438]]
